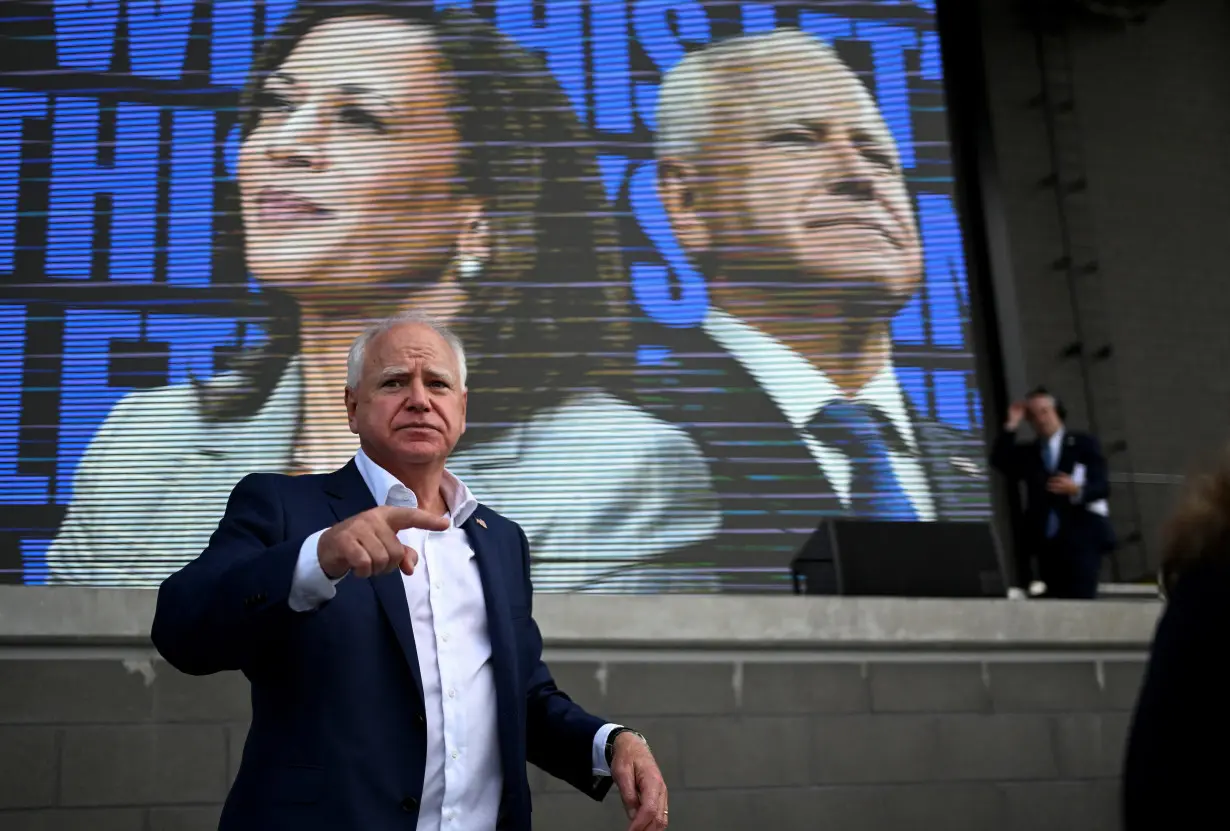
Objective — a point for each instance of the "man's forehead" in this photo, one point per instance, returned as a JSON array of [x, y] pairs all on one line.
[[798, 80], [410, 343]]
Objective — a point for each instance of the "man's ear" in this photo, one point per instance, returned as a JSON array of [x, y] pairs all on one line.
[[677, 190], [352, 418]]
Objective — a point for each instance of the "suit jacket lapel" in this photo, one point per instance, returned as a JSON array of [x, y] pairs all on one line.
[[1067, 454], [500, 630], [349, 495]]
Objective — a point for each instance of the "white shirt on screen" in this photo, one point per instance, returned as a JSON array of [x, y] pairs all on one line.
[[463, 779], [801, 391], [595, 482]]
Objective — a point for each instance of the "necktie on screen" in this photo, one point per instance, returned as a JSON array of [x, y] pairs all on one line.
[[856, 430], [1049, 460]]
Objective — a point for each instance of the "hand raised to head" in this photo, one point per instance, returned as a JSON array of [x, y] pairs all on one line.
[[366, 544], [1016, 414]]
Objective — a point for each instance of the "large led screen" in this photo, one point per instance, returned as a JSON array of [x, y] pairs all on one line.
[[704, 258]]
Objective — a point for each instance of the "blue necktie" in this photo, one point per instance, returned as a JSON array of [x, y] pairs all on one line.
[[1048, 459], [864, 437]]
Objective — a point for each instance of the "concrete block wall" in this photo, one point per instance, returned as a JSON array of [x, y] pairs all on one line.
[[874, 744], [849, 744], [819, 714]]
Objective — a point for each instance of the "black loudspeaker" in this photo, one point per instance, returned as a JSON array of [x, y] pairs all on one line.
[[900, 559]]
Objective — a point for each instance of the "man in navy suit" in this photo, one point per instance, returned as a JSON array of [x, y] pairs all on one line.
[[384, 619], [1066, 487]]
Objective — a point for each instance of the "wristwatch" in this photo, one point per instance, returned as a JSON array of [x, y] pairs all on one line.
[[610, 741]]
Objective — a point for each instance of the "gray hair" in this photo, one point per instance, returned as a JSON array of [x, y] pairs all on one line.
[[358, 349], [684, 109]]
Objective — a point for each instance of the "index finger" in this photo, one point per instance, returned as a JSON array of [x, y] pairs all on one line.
[[399, 518]]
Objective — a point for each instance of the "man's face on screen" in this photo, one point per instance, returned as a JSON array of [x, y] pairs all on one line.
[[348, 180], [409, 406], [801, 176]]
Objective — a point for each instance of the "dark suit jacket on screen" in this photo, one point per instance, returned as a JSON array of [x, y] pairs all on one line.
[[338, 734], [772, 492]]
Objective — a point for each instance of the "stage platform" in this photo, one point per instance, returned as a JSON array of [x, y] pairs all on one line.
[[765, 712]]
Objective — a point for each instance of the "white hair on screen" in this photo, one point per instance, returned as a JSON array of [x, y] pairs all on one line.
[[683, 110], [358, 349]]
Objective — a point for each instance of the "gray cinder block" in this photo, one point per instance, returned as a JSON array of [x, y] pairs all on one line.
[[744, 752], [951, 807], [670, 689], [928, 688], [1029, 687], [874, 748], [74, 819], [72, 691], [28, 757], [995, 747], [796, 689], [1091, 745], [143, 765], [1123, 683]]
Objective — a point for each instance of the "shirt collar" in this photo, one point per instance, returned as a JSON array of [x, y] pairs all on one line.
[[798, 388], [1056, 443], [461, 503]]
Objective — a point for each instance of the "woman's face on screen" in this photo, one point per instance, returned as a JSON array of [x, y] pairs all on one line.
[[348, 181]]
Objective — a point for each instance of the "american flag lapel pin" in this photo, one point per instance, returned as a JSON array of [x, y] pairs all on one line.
[[480, 522]]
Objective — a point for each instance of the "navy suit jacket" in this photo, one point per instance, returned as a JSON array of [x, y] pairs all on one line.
[[1078, 527], [338, 734]]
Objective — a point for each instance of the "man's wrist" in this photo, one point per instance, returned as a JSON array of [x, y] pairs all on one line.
[[615, 734]]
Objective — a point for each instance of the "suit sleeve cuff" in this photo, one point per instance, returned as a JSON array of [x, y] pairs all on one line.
[[311, 588], [601, 768]]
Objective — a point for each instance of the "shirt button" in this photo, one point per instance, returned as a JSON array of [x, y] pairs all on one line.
[[452, 693], [444, 637], [455, 755], [436, 586]]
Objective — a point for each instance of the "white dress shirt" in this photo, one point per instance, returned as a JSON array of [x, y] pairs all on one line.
[[801, 391], [463, 779]]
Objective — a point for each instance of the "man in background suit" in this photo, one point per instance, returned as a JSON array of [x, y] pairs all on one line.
[[1065, 522], [783, 184], [384, 618]]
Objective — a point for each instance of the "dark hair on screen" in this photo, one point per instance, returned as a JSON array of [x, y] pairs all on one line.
[[528, 158], [1198, 529]]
